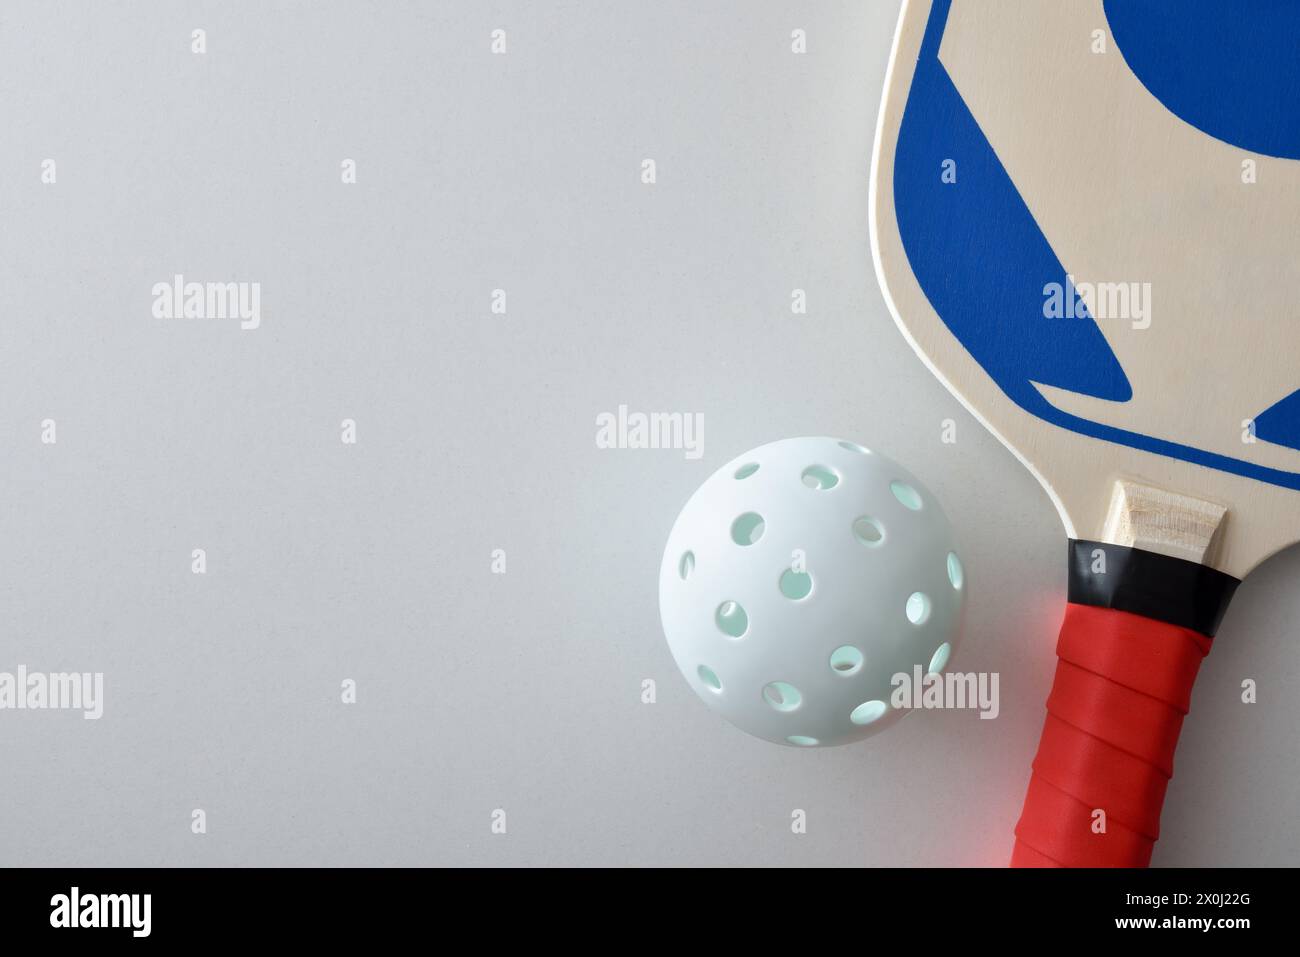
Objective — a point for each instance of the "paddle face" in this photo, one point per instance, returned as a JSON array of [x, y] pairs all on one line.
[[1085, 219]]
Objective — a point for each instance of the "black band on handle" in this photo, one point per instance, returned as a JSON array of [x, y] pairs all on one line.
[[1171, 590]]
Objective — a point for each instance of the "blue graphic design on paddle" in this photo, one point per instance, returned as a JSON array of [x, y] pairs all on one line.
[[983, 262]]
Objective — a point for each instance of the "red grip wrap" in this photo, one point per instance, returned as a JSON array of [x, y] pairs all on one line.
[[1123, 684]]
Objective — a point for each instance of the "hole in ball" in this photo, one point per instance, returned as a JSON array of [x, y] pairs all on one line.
[[782, 695], [748, 528], [731, 619]]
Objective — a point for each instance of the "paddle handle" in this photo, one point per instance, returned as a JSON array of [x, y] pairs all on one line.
[[1123, 685]]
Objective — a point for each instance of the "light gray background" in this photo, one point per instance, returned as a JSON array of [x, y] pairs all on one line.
[[328, 561]]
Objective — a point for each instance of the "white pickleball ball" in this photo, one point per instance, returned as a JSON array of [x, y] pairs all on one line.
[[799, 579]]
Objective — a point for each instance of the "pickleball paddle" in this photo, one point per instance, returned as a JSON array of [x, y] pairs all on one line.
[[1085, 218]]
